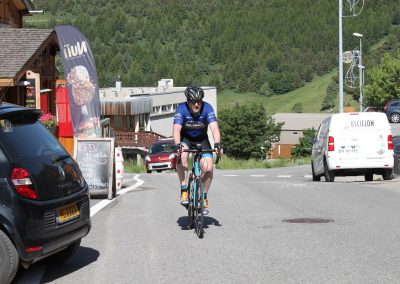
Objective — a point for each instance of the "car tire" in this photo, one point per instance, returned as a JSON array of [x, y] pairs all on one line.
[[314, 177], [149, 172], [369, 176], [9, 257], [387, 174], [395, 117], [63, 255], [329, 175]]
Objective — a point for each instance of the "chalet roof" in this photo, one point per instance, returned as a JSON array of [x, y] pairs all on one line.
[[17, 49]]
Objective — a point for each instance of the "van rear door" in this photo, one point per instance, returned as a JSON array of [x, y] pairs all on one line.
[[361, 139]]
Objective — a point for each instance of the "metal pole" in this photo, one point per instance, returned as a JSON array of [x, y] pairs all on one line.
[[361, 77], [340, 58]]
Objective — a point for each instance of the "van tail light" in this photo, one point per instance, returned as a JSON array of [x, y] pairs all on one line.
[[390, 142], [23, 183], [331, 143]]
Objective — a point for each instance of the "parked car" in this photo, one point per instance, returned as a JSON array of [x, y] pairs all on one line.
[[44, 198], [350, 144], [161, 156], [392, 110], [396, 145]]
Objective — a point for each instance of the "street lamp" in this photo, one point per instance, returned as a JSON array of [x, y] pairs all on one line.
[[360, 66]]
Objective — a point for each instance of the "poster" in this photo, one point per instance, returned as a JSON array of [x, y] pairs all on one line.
[[82, 84]]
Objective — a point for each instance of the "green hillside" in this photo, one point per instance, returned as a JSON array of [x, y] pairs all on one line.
[[287, 47]]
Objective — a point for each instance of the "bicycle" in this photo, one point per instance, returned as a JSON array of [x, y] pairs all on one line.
[[196, 191]]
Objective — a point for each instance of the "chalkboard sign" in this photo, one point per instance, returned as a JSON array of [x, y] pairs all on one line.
[[95, 157]]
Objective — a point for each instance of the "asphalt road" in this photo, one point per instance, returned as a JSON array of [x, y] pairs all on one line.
[[265, 226]]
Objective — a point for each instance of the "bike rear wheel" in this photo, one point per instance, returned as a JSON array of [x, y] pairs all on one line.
[[199, 217]]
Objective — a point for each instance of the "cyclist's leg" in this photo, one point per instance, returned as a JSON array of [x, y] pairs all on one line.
[[207, 169], [182, 170]]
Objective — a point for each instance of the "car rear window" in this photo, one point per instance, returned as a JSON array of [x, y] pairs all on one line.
[[28, 143], [162, 148]]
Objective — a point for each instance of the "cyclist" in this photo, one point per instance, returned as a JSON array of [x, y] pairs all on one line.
[[191, 121]]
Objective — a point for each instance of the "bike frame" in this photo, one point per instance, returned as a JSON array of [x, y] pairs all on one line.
[[196, 191]]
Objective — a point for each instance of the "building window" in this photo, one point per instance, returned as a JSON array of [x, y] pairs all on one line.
[[117, 122], [130, 123]]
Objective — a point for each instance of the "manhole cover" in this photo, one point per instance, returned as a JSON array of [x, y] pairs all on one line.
[[308, 220]]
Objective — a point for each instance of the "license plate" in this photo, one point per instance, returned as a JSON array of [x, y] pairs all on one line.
[[67, 213]]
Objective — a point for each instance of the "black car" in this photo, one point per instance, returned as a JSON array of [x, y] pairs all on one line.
[[392, 110], [44, 200]]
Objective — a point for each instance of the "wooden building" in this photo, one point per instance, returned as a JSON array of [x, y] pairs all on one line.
[[27, 59]]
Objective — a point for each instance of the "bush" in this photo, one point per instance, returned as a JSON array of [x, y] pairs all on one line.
[[247, 130]]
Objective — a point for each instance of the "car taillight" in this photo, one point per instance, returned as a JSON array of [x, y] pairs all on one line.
[[390, 142], [23, 183], [331, 143], [386, 106]]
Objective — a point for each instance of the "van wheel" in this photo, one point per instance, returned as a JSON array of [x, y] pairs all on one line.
[[329, 175], [369, 176], [387, 174], [395, 117], [314, 177], [9, 258]]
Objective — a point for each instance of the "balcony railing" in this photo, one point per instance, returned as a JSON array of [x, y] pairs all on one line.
[[136, 139]]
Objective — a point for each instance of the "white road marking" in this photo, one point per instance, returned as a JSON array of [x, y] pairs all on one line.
[[230, 175], [96, 208], [284, 176], [308, 176], [257, 175]]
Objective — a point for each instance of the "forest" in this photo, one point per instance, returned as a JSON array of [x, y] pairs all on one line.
[[271, 47]]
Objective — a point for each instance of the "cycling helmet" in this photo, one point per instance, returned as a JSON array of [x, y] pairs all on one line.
[[194, 93]]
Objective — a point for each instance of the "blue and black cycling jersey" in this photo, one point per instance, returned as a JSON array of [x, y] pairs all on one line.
[[194, 127]]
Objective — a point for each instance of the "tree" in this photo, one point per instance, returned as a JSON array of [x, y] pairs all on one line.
[[303, 149], [331, 92], [384, 82], [247, 130]]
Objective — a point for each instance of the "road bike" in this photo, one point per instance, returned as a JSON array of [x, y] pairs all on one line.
[[196, 190]]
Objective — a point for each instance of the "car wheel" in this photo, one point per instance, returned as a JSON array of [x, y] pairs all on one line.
[[314, 177], [395, 117], [63, 255], [387, 174], [159, 171], [329, 175], [149, 172], [369, 176], [9, 258]]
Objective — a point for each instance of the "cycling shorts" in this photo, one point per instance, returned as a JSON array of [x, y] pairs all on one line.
[[205, 145]]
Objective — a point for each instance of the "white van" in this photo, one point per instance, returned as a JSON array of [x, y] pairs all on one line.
[[350, 144]]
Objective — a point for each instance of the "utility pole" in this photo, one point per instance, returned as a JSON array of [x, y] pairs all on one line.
[[340, 58]]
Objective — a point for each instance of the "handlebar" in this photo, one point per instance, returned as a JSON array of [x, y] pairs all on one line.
[[200, 151]]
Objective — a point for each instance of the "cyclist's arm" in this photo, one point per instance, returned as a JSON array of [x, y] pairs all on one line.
[[215, 132], [176, 133]]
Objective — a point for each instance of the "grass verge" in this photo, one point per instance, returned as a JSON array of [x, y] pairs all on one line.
[[227, 163]]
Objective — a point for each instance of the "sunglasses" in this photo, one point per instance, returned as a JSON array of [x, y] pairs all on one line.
[[195, 101]]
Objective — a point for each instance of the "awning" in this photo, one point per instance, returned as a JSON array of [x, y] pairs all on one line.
[[126, 106]]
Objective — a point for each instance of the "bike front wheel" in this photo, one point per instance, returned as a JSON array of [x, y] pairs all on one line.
[[199, 216], [190, 207]]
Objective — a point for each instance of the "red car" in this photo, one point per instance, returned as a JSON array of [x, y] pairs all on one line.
[[161, 156]]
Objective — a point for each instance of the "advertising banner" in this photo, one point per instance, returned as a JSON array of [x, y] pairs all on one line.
[[81, 77]]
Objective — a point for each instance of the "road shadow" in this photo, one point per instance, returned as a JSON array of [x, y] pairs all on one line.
[[183, 222], [83, 257]]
